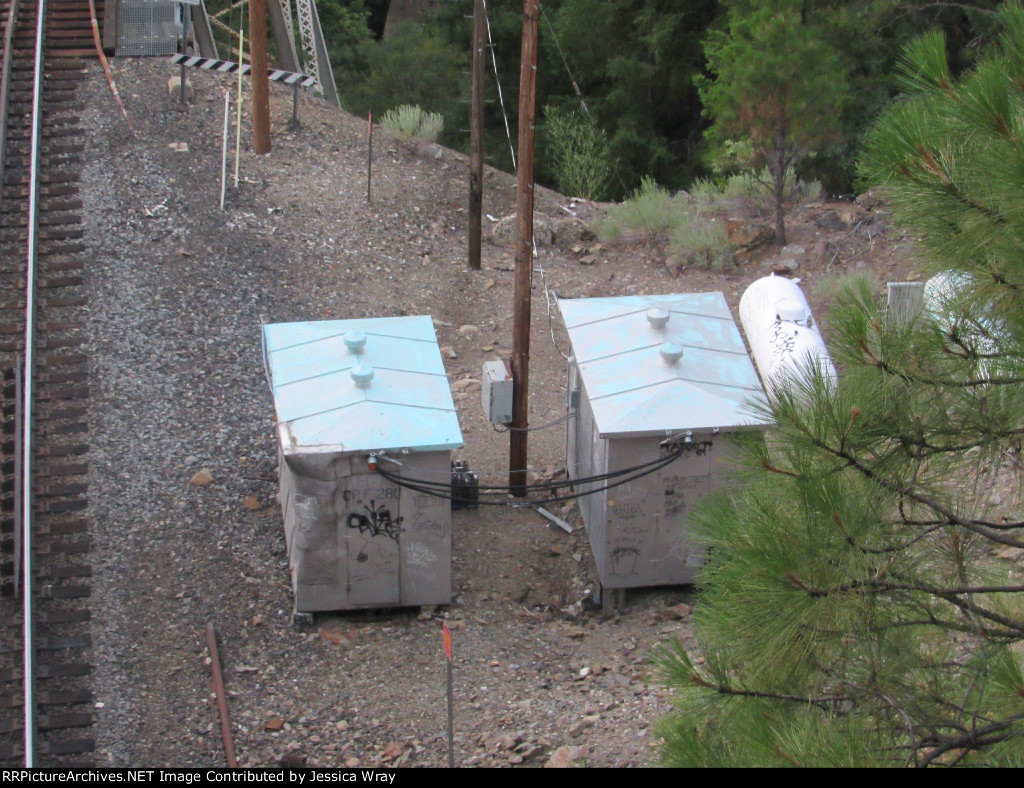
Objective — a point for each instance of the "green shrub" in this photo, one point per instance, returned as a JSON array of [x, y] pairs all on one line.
[[756, 188], [694, 239], [411, 121], [706, 192], [698, 241], [735, 180], [579, 151], [650, 209]]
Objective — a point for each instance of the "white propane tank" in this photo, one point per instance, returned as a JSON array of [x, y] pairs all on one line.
[[941, 293], [780, 328]]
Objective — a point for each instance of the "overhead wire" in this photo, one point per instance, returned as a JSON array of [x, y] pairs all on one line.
[[438, 493], [561, 54], [497, 81], [549, 295], [578, 92]]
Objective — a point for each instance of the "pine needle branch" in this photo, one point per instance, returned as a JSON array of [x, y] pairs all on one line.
[[975, 739]]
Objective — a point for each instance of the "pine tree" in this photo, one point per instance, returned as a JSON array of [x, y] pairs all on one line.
[[864, 604], [776, 85]]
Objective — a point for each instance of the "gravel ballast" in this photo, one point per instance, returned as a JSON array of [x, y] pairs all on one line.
[[178, 291]]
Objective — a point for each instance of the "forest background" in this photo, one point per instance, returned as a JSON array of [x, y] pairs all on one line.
[[633, 76]]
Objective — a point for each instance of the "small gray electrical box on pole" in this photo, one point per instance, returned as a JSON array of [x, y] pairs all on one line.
[[496, 388]]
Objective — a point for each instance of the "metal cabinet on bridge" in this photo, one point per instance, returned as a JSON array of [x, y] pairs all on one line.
[[655, 383], [353, 398]]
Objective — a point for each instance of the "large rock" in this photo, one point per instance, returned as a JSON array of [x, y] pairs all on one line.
[[746, 236], [565, 756], [832, 222], [569, 230], [503, 232], [174, 88]]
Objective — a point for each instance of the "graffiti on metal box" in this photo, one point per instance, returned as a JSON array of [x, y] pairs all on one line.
[[377, 521], [430, 528], [624, 559], [626, 511]]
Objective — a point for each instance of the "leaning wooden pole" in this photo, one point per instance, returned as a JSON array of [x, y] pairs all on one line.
[[476, 126], [524, 254], [259, 77]]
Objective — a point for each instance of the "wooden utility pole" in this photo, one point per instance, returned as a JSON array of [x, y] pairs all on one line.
[[258, 75], [524, 253], [476, 133]]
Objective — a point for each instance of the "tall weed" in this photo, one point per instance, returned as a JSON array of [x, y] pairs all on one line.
[[581, 162], [411, 121]]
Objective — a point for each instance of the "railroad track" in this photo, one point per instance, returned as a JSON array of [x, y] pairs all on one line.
[[46, 706]]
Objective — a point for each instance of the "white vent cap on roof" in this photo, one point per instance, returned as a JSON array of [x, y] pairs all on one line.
[[355, 341], [658, 317], [671, 352], [790, 310], [362, 374]]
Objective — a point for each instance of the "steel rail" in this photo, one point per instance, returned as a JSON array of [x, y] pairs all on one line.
[[5, 85], [29, 369]]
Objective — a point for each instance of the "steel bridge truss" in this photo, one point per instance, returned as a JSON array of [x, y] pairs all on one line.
[[314, 61]]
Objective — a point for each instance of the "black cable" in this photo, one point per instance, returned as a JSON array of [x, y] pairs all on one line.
[[600, 477], [644, 470], [557, 421], [555, 499]]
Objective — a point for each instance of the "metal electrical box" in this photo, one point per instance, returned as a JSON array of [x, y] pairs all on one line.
[[655, 383], [353, 398], [148, 27], [496, 391]]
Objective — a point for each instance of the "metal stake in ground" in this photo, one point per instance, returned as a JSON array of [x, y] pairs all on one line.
[[217, 691], [446, 636], [184, 49]]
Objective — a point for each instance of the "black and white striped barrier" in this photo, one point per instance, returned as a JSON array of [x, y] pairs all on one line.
[[228, 67]]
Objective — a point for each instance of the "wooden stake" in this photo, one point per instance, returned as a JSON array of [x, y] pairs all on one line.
[[238, 122], [524, 254]]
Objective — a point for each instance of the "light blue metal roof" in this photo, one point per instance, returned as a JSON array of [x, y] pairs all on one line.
[[627, 349], [360, 385]]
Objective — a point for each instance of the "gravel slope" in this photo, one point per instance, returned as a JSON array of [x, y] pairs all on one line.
[[179, 289]]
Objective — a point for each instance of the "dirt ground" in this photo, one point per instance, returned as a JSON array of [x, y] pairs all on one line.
[[542, 677]]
